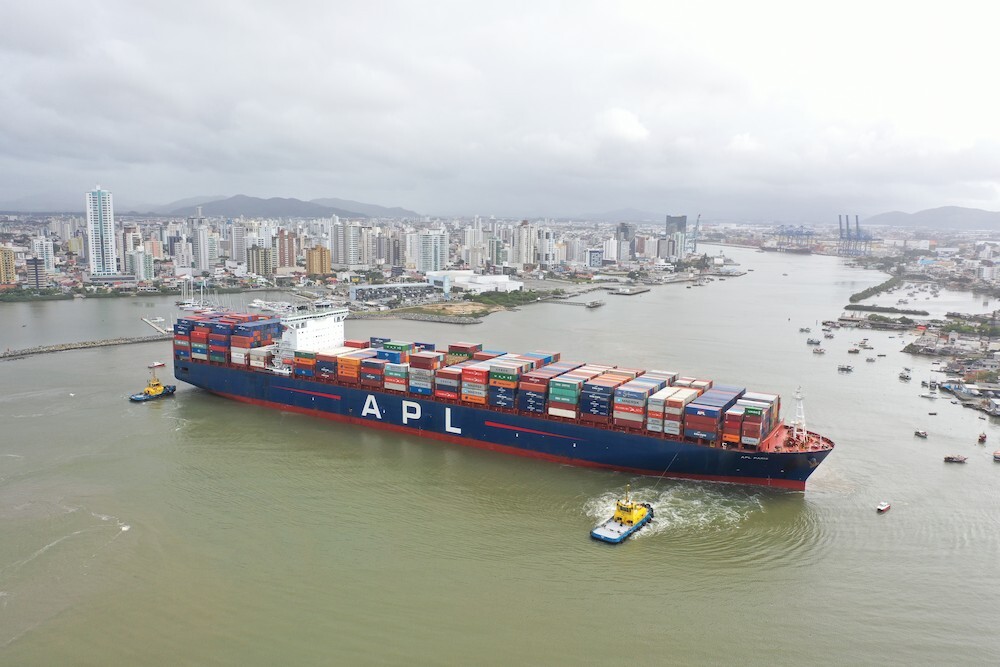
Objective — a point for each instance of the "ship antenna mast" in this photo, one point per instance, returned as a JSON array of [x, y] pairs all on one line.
[[799, 425]]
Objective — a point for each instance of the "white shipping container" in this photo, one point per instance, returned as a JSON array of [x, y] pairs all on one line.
[[559, 412], [750, 441]]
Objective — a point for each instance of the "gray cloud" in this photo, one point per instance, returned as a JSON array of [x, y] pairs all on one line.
[[513, 109]]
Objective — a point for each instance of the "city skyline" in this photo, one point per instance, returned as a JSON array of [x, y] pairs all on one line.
[[724, 109]]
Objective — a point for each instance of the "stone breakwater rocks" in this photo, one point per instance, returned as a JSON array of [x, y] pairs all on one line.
[[45, 349], [445, 319]]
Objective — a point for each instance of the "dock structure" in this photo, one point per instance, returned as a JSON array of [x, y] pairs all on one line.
[[82, 345], [155, 325], [853, 243], [586, 304], [629, 291]]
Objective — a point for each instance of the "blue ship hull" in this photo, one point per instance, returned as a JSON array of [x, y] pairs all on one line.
[[551, 439]]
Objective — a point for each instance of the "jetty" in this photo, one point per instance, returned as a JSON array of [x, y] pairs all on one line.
[[82, 345], [628, 291], [585, 304]]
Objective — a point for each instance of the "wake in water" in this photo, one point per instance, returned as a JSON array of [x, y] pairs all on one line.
[[682, 506]]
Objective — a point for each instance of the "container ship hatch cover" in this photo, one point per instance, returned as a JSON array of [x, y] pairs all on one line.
[[535, 404]]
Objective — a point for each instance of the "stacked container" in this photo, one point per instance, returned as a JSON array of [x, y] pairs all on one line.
[[474, 382], [304, 363], [373, 372], [760, 416], [533, 386], [673, 410], [447, 382], [631, 398], [326, 361], [396, 376], [182, 340], [261, 357], [349, 364], [655, 408], [422, 367], [732, 424], [703, 417], [459, 352], [564, 390], [597, 394]]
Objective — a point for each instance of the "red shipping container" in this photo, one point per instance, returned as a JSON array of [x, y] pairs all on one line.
[[445, 394], [594, 419], [360, 344], [632, 409], [630, 424]]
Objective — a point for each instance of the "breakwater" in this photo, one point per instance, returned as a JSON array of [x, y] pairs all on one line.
[[419, 317], [82, 345]]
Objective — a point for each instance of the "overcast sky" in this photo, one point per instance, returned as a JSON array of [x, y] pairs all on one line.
[[759, 110]]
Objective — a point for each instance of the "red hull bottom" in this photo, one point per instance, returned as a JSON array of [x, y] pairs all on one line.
[[793, 485]]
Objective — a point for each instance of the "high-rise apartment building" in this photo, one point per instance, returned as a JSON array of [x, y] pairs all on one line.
[[200, 249], [7, 274], [260, 261], [102, 248], [285, 247], [42, 249], [36, 276], [432, 250], [318, 261], [346, 244]]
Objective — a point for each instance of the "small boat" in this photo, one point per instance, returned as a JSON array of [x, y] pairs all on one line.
[[954, 458], [934, 396], [879, 355], [870, 360], [854, 350], [996, 455], [904, 376], [804, 330], [818, 350], [829, 335], [629, 517], [883, 507], [154, 388], [813, 341], [844, 368], [982, 438], [920, 434]]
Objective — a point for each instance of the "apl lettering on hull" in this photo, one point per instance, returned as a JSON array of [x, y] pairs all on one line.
[[411, 411]]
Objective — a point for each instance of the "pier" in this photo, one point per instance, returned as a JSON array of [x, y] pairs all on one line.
[[585, 304], [628, 291], [82, 345]]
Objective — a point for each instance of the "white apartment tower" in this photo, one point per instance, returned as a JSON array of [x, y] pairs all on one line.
[[432, 250], [101, 233]]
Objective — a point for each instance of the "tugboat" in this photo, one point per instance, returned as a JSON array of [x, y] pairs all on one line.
[[954, 458], [154, 388], [629, 517], [883, 507]]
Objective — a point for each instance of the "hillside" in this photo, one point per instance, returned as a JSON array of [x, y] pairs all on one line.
[[371, 210], [944, 217], [275, 207]]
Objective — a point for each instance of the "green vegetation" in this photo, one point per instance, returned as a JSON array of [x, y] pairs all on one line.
[[895, 320], [877, 289], [507, 299], [886, 309], [981, 330], [14, 295]]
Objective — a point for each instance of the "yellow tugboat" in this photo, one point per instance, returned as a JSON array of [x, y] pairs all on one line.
[[154, 388], [629, 517]]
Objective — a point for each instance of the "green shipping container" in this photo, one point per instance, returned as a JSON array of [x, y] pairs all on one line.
[[509, 377], [562, 394]]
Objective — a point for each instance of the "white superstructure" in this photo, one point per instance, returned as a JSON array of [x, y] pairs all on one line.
[[315, 331]]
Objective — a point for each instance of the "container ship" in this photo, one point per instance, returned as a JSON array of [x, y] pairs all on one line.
[[533, 404]]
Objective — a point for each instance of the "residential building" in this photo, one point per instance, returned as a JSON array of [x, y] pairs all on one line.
[[260, 261], [7, 274], [101, 242], [318, 261], [432, 250]]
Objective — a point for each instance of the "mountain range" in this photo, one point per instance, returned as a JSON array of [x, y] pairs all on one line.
[[944, 217], [216, 205]]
